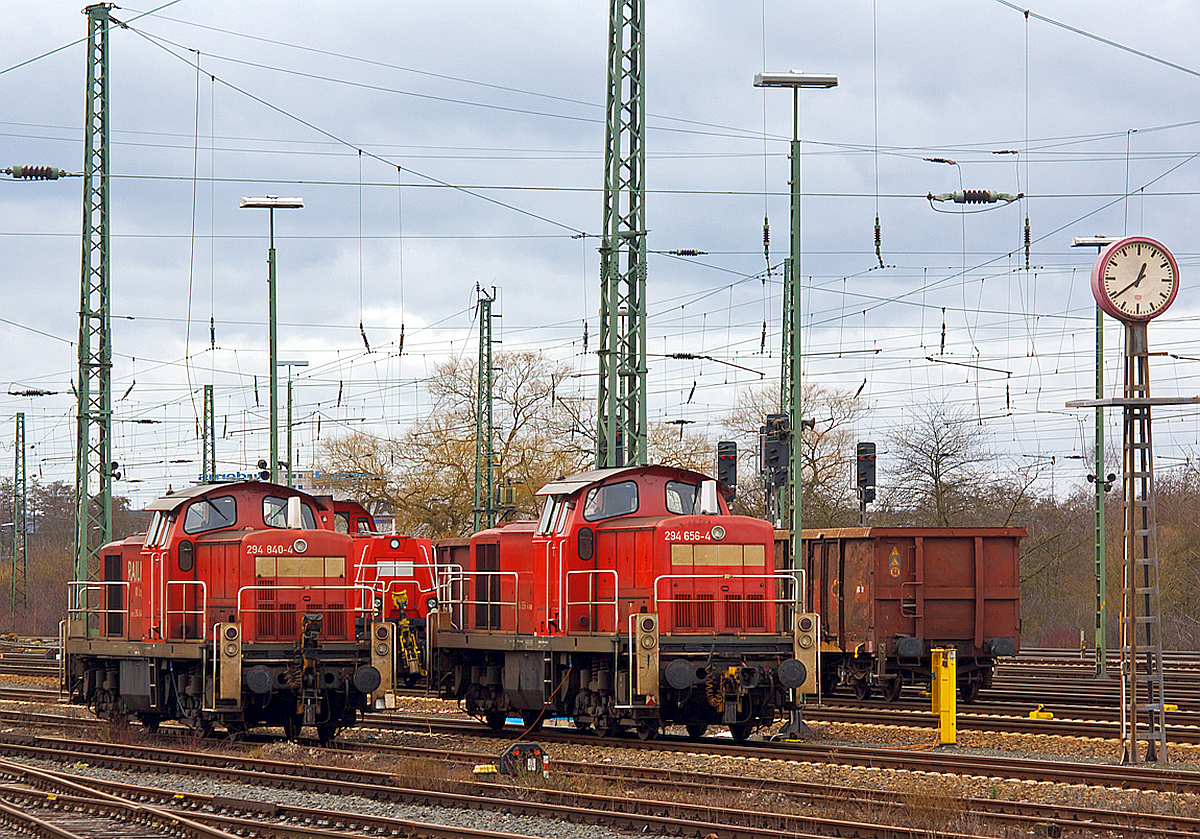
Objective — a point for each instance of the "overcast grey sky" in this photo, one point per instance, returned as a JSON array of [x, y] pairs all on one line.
[[494, 113]]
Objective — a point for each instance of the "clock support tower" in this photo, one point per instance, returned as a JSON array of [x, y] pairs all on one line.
[[1135, 280], [1143, 708]]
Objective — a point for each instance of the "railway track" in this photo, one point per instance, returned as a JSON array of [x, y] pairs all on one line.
[[58, 804], [535, 797], [807, 796]]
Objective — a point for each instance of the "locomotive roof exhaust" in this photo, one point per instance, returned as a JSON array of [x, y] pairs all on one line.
[[708, 499]]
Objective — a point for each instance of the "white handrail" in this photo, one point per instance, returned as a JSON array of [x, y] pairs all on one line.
[[592, 574], [201, 610]]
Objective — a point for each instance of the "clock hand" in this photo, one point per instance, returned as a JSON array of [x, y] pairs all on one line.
[[1140, 276]]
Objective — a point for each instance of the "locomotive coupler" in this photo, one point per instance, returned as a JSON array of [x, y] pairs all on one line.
[[307, 648]]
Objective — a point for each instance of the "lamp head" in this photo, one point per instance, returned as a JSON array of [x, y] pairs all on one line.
[[273, 202], [795, 79]]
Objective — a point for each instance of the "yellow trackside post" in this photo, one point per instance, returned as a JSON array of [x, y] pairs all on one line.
[[944, 689]]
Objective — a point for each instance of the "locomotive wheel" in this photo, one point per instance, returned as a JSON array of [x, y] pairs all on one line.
[[739, 731], [647, 730], [495, 719], [326, 732], [891, 689], [862, 688], [696, 730], [533, 720]]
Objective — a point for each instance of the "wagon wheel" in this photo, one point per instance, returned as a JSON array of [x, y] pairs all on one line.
[[891, 689], [739, 731], [602, 726], [150, 722], [533, 720], [862, 688], [291, 726], [495, 719], [696, 730], [968, 691], [647, 730]]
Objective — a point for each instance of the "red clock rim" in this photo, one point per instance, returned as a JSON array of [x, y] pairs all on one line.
[[1101, 295]]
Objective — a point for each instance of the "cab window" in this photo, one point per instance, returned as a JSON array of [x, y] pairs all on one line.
[[610, 500], [210, 514], [681, 498], [551, 511], [341, 522], [160, 528], [275, 513]]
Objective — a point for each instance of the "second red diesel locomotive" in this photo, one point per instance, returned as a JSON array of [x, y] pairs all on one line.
[[635, 602]]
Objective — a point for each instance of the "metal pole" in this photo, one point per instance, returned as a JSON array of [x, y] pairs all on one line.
[[93, 443], [1101, 575], [272, 350], [290, 451], [795, 490], [20, 551], [209, 453]]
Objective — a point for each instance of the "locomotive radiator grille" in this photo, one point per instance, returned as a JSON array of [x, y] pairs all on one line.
[[685, 611], [706, 612], [745, 613]]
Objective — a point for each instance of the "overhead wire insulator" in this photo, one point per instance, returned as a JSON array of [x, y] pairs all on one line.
[[976, 196], [36, 173], [1027, 240], [878, 241], [767, 243]]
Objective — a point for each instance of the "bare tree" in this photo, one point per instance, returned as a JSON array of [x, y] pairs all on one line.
[[544, 430], [938, 464]]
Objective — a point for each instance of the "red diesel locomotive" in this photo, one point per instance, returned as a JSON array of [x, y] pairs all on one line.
[[407, 583], [239, 606], [635, 602]]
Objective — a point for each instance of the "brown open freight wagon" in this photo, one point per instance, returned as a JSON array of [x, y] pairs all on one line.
[[888, 595]]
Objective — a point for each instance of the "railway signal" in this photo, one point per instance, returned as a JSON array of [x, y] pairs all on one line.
[[727, 463], [864, 473]]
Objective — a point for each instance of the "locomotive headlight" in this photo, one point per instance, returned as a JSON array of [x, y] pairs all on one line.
[[805, 641], [647, 642], [381, 649], [394, 544], [718, 532], [431, 604], [231, 650]]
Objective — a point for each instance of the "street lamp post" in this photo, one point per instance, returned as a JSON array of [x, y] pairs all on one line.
[[1101, 636], [790, 388], [291, 452], [271, 203]]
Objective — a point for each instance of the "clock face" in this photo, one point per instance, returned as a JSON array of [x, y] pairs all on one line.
[[1135, 279]]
